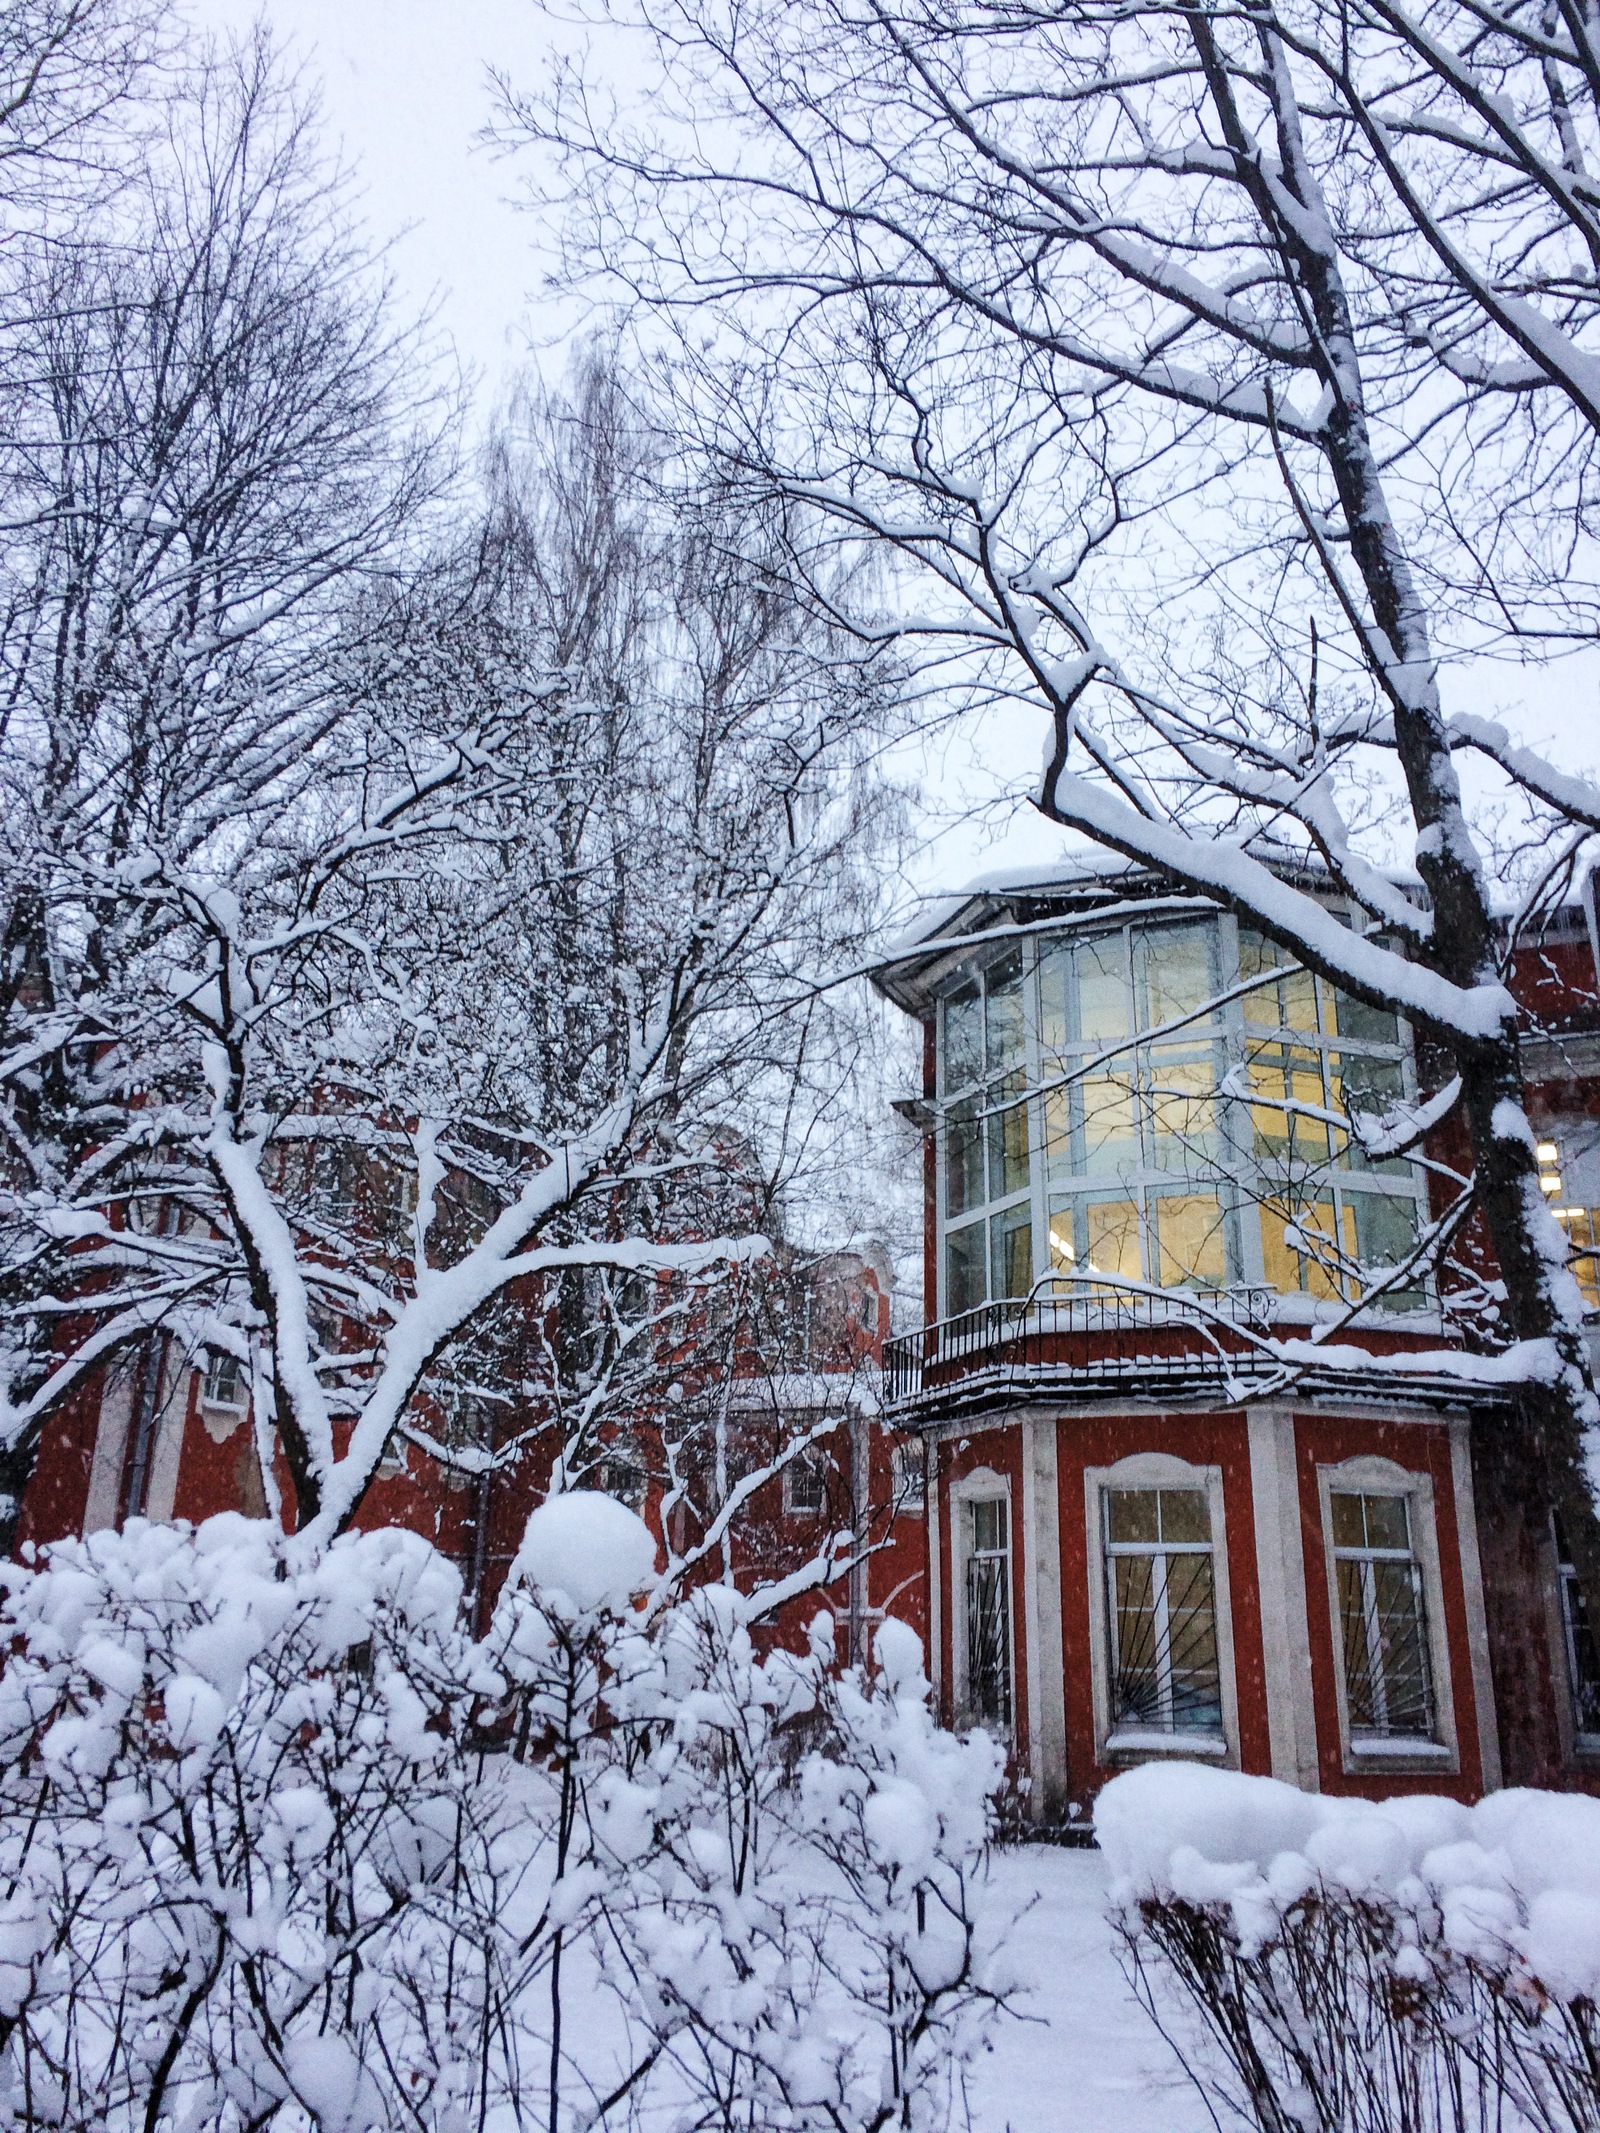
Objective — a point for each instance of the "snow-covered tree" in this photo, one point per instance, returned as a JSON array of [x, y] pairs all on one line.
[[1217, 376], [394, 915]]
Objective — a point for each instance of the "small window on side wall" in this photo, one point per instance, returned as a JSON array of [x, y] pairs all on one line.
[[805, 1485], [224, 1380]]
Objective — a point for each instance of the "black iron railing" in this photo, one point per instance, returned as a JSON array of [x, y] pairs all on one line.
[[1000, 1335]]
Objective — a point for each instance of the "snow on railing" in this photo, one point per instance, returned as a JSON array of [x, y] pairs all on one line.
[[996, 1335]]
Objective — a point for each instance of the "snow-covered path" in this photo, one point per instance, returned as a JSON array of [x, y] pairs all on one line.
[[1089, 2061]]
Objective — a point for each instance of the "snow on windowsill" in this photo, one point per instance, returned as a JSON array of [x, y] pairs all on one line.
[[1411, 1750], [1190, 1744]]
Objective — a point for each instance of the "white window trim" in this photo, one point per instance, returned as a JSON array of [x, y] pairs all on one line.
[[982, 1485], [1158, 1470], [1579, 1747], [1370, 1475]]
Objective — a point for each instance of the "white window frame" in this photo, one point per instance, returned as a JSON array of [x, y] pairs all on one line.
[[209, 1399], [1158, 1470], [1369, 1475], [813, 1464], [982, 1485]]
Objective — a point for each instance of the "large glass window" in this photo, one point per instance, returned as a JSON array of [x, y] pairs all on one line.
[[1161, 1612], [1383, 1626], [988, 1598], [1108, 1123]]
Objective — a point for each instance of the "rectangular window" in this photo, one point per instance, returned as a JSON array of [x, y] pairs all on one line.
[[1111, 1238], [1100, 988], [910, 1483], [963, 1038], [1383, 1628], [1179, 972], [988, 1594], [1583, 1655], [1161, 1612], [965, 1287], [1008, 1152], [1192, 1240], [1003, 1017], [1011, 1253], [223, 1386], [805, 1485], [963, 1159]]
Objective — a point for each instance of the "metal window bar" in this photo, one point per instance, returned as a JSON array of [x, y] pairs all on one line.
[[1383, 1622], [989, 1614], [1162, 1619]]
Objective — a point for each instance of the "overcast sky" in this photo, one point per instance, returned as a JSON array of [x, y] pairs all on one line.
[[404, 92]]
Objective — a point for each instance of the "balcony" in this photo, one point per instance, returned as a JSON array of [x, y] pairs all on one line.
[[1025, 1342], [1178, 1344]]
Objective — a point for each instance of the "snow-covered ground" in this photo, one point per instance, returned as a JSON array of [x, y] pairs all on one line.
[[1087, 2059]]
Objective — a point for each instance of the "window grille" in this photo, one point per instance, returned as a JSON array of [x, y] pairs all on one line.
[[989, 1612], [1583, 1658], [1382, 1619], [1162, 1612]]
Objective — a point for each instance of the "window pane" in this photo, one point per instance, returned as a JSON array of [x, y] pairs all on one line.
[[1055, 961], [987, 1523], [1183, 1110], [1108, 1142], [963, 1159], [1063, 1242], [1192, 1641], [1386, 1231], [1191, 1237], [1112, 1234], [963, 1038], [1349, 1521], [1133, 1514], [1164, 1672], [1011, 1266], [1255, 956], [1387, 1523], [1185, 1515], [1353, 1018], [1583, 1653], [1008, 1151], [1366, 1087], [1179, 971], [964, 1269], [1102, 989], [988, 1613], [1003, 1014], [1385, 1649], [1309, 1263]]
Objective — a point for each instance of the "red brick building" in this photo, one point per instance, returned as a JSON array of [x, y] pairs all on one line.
[[1147, 1537]]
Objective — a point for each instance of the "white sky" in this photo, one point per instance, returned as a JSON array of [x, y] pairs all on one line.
[[404, 93]]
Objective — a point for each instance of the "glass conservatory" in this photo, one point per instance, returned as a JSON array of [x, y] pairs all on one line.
[[1165, 1104]]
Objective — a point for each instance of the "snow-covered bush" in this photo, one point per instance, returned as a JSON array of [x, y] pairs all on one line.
[[1349, 1966], [280, 1846], [229, 1789], [800, 1926]]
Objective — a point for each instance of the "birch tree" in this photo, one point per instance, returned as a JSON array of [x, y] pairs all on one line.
[[1134, 331]]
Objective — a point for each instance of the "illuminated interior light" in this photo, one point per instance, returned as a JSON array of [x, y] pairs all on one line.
[[1549, 1184], [1547, 1152]]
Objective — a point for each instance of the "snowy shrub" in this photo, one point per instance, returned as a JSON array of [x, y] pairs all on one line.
[[1345, 1966], [230, 1790], [801, 1932], [260, 1868]]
